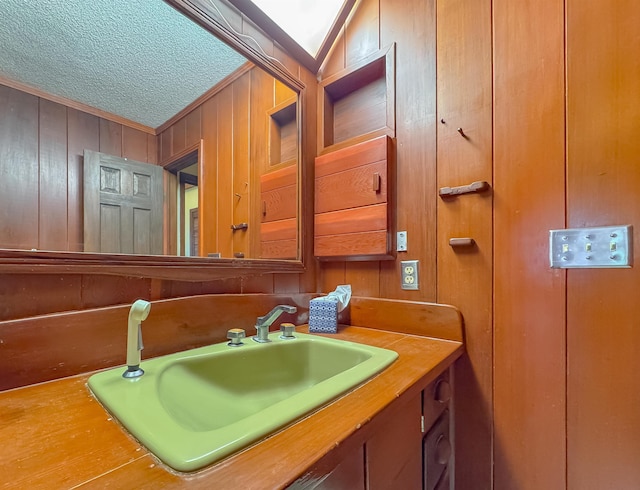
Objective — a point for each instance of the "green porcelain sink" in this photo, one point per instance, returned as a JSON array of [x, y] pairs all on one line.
[[195, 407]]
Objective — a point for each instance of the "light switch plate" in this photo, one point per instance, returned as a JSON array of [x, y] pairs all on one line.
[[401, 241], [598, 247]]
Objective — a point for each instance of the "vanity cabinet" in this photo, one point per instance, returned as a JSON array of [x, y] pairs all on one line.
[[370, 438], [437, 449], [406, 446], [393, 452]]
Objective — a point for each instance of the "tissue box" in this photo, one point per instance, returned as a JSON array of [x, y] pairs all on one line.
[[323, 315]]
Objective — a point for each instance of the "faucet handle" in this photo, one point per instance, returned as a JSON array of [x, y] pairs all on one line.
[[235, 336], [287, 330]]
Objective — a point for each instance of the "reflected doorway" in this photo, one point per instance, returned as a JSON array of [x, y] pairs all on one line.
[[186, 170]]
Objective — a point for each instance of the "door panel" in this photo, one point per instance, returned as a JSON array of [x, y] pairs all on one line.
[[123, 205]]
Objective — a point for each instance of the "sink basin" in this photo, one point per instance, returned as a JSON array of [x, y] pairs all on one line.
[[196, 407]]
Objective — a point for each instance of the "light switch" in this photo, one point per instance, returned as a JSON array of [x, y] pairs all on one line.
[[604, 246], [401, 240]]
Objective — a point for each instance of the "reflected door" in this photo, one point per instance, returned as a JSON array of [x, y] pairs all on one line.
[[123, 205]]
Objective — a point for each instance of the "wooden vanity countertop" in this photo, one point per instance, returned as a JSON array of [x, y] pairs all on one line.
[[56, 435]]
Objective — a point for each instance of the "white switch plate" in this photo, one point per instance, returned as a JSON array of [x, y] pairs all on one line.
[[401, 241], [599, 247]]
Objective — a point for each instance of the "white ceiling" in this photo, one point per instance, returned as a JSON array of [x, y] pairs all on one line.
[[139, 59]]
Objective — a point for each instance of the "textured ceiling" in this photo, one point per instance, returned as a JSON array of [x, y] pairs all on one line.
[[140, 59]]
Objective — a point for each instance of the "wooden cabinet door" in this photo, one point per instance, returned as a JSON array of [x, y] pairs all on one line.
[[394, 451]]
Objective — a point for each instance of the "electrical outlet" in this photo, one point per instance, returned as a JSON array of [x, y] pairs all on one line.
[[401, 241], [409, 274]]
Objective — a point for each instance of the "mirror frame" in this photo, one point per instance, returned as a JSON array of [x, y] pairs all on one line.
[[174, 267]]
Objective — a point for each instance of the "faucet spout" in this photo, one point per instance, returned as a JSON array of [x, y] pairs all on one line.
[[264, 322], [137, 314]]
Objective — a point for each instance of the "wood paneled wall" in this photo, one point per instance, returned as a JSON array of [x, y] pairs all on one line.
[[376, 25], [603, 182], [529, 201], [41, 149], [443, 73], [234, 127], [547, 96]]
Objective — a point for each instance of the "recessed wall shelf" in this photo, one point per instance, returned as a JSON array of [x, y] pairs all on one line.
[[283, 132], [359, 100]]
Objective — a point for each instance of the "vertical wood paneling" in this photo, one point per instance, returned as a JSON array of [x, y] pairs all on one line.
[[225, 171], [413, 29], [208, 178], [152, 149], [19, 164], [83, 134], [134, 144], [179, 136], [281, 92], [465, 276], [262, 99], [308, 127], [603, 174], [53, 177], [193, 127], [363, 31], [332, 274], [241, 197], [530, 348], [363, 277], [290, 63], [164, 143], [335, 60], [110, 138], [362, 37]]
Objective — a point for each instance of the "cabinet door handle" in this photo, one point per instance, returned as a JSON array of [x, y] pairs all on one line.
[[264, 208], [377, 182], [478, 186], [462, 242]]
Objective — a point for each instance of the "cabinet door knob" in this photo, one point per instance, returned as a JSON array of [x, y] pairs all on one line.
[[442, 451], [442, 391]]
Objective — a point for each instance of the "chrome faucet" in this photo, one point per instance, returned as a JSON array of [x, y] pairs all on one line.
[[137, 314], [264, 322]]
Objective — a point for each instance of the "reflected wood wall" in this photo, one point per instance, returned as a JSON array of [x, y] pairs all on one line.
[[234, 127], [41, 148]]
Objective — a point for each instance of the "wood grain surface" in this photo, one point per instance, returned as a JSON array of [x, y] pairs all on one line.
[[83, 445]]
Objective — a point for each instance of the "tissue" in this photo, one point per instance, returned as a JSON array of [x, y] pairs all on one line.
[[323, 311]]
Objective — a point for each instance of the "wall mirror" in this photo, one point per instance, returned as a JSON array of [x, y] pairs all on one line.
[[74, 126]]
